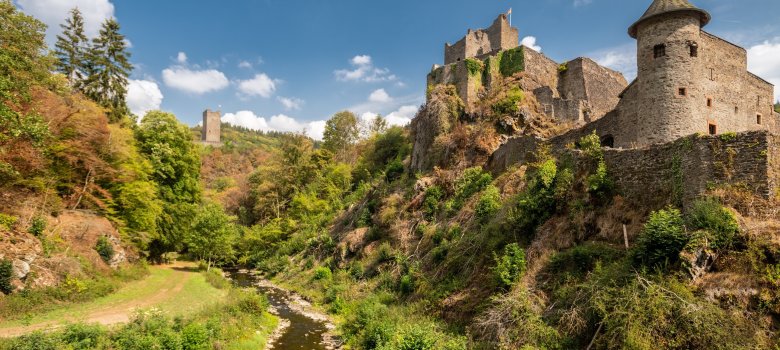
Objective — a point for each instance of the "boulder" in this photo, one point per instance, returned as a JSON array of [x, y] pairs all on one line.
[[21, 269]]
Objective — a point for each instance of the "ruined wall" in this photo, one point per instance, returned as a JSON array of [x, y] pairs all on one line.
[[679, 171], [587, 80], [499, 36], [540, 71]]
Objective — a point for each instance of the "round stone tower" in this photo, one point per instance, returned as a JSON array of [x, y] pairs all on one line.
[[669, 95]]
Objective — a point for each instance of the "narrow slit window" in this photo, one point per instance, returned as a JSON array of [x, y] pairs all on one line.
[[694, 47], [736, 110], [713, 129], [712, 74], [682, 91], [709, 102], [758, 119], [659, 50]]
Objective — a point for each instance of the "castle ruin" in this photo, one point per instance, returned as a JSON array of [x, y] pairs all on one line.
[[693, 118], [212, 123]]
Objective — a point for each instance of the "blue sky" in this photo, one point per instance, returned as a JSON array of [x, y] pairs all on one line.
[[290, 64]]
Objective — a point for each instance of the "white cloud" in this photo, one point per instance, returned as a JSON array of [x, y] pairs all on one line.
[[143, 96], [54, 13], [291, 103], [260, 85], [530, 42], [181, 58], [194, 81], [380, 96], [402, 116], [762, 60], [578, 3], [621, 58], [363, 70], [245, 65], [361, 60], [281, 123]]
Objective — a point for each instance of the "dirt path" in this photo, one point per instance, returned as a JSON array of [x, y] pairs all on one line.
[[112, 312]]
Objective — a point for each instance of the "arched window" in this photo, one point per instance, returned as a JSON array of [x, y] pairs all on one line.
[[694, 48], [608, 141]]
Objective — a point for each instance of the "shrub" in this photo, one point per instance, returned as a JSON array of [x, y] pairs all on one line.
[[591, 145], [662, 240], [711, 216], [488, 204], [394, 170], [215, 279], [37, 226], [433, 196], [406, 285], [599, 182], [7, 221], [472, 181], [417, 337], [510, 266], [385, 253], [6, 274], [104, 248], [508, 104], [194, 336], [83, 336], [322, 273], [253, 303]]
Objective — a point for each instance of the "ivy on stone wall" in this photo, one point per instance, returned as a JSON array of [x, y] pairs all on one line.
[[474, 67], [512, 61]]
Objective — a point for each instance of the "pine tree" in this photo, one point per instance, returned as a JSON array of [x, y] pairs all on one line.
[[109, 66], [71, 48]]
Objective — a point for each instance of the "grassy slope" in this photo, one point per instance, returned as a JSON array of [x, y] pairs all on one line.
[[174, 291]]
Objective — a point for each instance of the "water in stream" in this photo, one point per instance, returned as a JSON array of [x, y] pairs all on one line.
[[303, 332]]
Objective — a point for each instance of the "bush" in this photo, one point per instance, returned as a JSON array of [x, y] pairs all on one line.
[[104, 248], [6, 274], [83, 336], [510, 266], [709, 215], [195, 336], [322, 273], [215, 279], [406, 285], [253, 303], [662, 240], [430, 205], [37, 226], [417, 338], [472, 181], [488, 204], [394, 170], [7, 221], [508, 104]]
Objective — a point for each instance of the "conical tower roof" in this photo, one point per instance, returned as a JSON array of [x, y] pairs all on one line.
[[662, 7]]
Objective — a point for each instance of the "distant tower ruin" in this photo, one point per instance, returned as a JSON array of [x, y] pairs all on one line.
[[211, 126]]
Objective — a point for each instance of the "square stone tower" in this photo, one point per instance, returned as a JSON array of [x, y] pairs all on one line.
[[211, 126]]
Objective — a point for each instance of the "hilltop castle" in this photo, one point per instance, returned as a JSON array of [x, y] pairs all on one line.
[[689, 81], [693, 119]]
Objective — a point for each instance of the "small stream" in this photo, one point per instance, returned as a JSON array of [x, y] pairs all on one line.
[[303, 331]]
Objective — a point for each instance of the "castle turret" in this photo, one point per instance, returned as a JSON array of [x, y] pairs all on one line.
[[211, 126], [670, 71]]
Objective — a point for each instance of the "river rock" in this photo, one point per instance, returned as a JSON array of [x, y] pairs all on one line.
[[20, 269]]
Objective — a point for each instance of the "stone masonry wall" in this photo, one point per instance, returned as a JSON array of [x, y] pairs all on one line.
[[211, 126], [676, 172], [499, 36]]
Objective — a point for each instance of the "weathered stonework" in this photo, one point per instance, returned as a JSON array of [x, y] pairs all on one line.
[[676, 172], [498, 37], [211, 127]]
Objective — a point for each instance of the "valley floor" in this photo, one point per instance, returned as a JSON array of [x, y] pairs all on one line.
[[177, 290]]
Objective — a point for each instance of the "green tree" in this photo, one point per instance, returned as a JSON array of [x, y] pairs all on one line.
[[72, 47], [212, 235], [167, 145], [23, 64], [341, 133], [109, 67]]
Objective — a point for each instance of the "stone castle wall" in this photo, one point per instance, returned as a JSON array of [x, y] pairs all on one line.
[[679, 171], [499, 36], [719, 92]]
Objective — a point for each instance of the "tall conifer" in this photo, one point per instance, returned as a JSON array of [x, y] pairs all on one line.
[[71, 48], [109, 67]]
